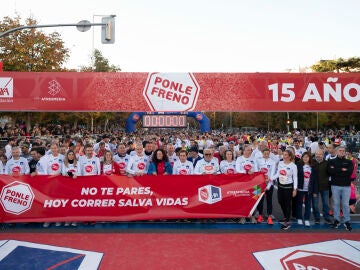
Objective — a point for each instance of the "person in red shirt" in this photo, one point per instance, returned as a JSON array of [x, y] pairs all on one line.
[[160, 164]]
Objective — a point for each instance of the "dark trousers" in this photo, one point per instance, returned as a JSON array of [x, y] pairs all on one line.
[[269, 205], [284, 199]]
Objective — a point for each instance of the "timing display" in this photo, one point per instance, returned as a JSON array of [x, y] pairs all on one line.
[[164, 121]]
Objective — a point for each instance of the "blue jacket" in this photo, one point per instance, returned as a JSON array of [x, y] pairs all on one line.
[[152, 168]]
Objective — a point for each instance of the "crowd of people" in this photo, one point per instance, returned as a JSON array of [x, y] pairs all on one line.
[[303, 167]]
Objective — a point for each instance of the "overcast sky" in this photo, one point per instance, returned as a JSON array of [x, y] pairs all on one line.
[[204, 35]]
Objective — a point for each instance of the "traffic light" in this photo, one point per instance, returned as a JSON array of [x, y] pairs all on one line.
[[108, 30]]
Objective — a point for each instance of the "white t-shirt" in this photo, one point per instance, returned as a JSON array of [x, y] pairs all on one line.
[[15, 167], [89, 166], [208, 167], [227, 167], [287, 174], [122, 162], [244, 165], [138, 164], [183, 168]]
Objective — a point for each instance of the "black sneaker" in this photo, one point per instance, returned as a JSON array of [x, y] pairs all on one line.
[[285, 226], [347, 226], [336, 224]]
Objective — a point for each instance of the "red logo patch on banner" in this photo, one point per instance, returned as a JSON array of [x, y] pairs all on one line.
[[204, 194]]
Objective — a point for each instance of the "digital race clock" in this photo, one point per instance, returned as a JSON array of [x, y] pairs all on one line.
[[164, 121]]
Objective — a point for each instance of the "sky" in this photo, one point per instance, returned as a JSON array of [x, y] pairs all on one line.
[[203, 35]]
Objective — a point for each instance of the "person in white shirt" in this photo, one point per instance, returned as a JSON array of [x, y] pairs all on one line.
[[246, 164], [3, 160], [122, 158], [183, 166], [89, 164], [288, 181], [17, 165], [70, 166], [228, 165], [139, 163], [53, 162], [267, 166], [207, 165], [105, 139], [8, 147], [170, 151], [299, 151]]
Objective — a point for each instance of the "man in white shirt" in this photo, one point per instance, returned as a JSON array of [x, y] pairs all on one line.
[[245, 163], [53, 162], [139, 163], [17, 165], [183, 166], [89, 164], [122, 158], [8, 147], [208, 165]]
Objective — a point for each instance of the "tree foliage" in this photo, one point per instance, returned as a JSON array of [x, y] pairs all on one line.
[[351, 64], [31, 49], [101, 64]]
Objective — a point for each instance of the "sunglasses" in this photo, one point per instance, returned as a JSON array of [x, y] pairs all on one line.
[[207, 154]]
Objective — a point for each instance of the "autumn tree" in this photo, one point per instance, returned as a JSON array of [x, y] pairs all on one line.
[[100, 64], [31, 49]]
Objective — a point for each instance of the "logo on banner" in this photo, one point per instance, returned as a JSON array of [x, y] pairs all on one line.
[[209, 194], [6, 89], [171, 91], [16, 198], [54, 89], [256, 192], [335, 254]]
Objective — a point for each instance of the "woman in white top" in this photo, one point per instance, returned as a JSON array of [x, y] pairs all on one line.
[[288, 180], [70, 169], [228, 165], [70, 166]]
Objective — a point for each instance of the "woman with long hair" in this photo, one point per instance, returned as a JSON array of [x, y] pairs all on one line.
[[305, 173], [160, 164], [108, 166], [287, 185]]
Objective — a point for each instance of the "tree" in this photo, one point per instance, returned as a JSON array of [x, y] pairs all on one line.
[[31, 49], [351, 64], [101, 64]]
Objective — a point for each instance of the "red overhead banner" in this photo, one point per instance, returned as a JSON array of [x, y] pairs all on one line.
[[76, 91], [111, 198]]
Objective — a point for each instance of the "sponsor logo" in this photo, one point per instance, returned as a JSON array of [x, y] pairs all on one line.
[[54, 88], [6, 87], [209, 194], [334, 254], [16, 169], [55, 166], [264, 170], [208, 168], [256, 192], [230, 171], [88, 168], [141, 166], [307, 174], [171, 91], [247, 167], [122, 165], [283, 172], [183, 172], [16, 198]]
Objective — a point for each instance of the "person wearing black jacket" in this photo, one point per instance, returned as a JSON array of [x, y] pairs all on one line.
[[340, 170], [319, 186]]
